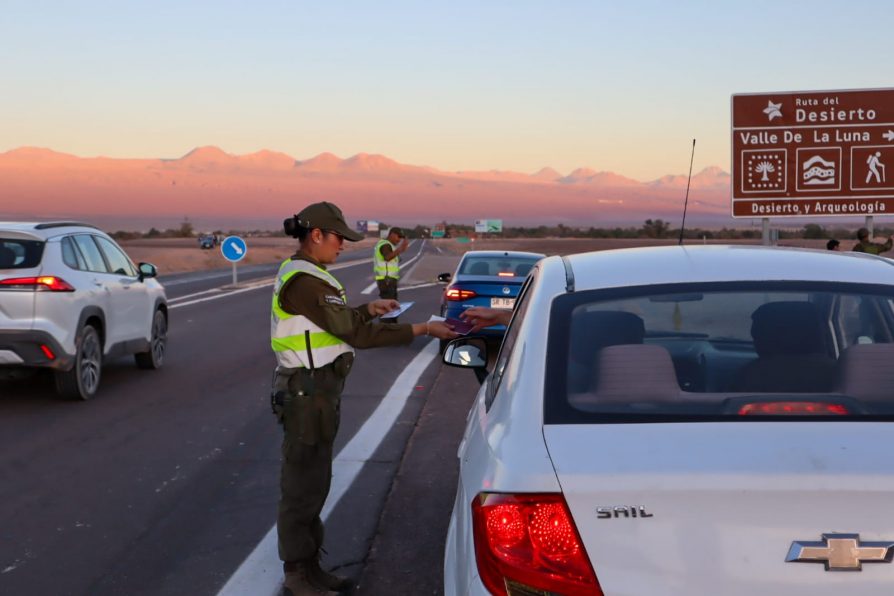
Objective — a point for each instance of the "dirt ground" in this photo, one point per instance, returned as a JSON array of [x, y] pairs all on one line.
[[175, 255], [567, 246]]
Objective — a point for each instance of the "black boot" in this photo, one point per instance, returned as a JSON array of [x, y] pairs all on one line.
[[321, 577]]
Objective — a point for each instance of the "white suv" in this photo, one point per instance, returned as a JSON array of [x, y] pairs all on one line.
[[69, 297]]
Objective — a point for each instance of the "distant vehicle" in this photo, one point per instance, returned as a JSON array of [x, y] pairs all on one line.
[[69, 298], [207, 241], [485, 278], [680, 421]]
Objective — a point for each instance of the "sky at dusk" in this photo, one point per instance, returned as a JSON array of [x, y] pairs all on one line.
[[461, 85]]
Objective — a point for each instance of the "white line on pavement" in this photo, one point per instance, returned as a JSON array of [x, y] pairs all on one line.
[[221, 293], [261, 572]]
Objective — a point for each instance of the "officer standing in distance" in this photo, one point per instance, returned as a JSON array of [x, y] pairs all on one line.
[[386, 262], [313, 334], [873, 248]]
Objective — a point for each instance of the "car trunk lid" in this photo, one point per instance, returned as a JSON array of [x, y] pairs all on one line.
[[714, 508]]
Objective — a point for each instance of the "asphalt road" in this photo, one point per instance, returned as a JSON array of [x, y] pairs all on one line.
[[167, 480]]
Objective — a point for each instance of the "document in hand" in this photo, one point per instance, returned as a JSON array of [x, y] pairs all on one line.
[[404, 307]]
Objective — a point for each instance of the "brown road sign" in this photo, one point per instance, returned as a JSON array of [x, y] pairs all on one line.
[[813, 153]]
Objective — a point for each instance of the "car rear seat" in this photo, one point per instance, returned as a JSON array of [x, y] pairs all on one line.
[[791, 349]]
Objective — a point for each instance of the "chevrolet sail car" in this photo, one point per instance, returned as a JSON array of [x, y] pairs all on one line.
[[682, 421], [71, 298], [486, 278]]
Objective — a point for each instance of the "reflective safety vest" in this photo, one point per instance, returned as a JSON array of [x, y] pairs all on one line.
[[296, 340], [383, 268]]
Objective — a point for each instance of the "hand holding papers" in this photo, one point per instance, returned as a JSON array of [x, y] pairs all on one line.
[[404, 307]]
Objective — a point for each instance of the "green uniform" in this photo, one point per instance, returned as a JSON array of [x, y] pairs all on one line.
[[873, 248], [310, 413]]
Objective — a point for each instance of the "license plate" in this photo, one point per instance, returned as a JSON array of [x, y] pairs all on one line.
[[502, 303]]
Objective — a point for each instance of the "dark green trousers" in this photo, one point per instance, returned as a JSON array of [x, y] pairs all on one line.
[[387, 288], [310, 421]]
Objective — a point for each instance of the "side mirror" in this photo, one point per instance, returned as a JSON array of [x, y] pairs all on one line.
[[445, 278], [147, 270], [466, 352]]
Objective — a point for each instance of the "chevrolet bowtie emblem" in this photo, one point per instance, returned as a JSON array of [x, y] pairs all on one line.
[[841, 552]]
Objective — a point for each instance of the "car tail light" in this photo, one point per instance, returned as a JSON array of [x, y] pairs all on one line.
[[792, 408], [527, 544], [505, 274], [45, 283], [47, 352], [459, 294]]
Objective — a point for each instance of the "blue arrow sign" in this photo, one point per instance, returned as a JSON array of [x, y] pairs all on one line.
[[233, 248]]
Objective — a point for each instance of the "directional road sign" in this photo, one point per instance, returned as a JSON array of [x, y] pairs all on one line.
[[233, 249], [813, 153]]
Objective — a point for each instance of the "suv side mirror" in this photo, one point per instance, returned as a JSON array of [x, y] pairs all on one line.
[[147, 270], [445, 278]]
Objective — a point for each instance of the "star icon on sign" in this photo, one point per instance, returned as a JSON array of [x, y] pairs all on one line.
[[773, 110]]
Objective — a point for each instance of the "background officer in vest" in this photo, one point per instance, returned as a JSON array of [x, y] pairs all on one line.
[[873, 248], [313, 334], [386, 262]]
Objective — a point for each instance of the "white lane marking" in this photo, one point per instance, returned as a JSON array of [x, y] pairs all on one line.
[[220, 293], [369, 289], [261, 572]]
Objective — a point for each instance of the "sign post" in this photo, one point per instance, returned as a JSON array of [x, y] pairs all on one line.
[[813, 154], [233, 249]]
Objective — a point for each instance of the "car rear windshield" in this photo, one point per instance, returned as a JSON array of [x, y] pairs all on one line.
[[497, 266], [747, 351], [20, 254]]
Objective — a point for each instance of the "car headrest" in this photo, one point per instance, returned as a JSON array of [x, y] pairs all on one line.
[[866, 372], [787, 328], [479, 268], [7, 257], [594, 330], [633, 374], [522, 269]]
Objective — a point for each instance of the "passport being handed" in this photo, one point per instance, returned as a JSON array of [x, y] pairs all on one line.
[[459, 326]]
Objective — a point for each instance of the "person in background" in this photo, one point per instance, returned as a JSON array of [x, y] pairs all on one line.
[[872, 248], [833, 245]]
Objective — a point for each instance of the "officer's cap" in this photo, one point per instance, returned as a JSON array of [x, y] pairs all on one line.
[[327, 217]]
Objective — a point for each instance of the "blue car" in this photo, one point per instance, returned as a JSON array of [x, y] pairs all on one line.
[[490, 278]]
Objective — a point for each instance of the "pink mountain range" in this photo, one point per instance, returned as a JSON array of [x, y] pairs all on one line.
[[208, 183]]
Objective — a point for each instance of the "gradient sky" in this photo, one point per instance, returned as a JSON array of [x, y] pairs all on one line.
[[459, 85]]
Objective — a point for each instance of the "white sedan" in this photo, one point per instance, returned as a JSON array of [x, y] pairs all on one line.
[[683, 421]]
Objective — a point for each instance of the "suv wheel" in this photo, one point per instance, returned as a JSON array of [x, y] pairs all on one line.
[[155, 356], [82, 381]]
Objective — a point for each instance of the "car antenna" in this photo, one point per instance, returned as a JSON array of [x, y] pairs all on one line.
[[686, 203]]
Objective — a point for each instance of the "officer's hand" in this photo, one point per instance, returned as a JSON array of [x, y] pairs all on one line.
[[404, 244], [440, 330], [382, 306], [481, 317]]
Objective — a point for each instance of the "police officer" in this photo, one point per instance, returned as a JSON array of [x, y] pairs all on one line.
[[313, 334], [864, 245], [386, 262]]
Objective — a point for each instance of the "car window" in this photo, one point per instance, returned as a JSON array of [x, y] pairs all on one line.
[[20, 254], [118, 261], [71, 256], [721, 351], [502, 266], [92, 257], [509, 340]]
